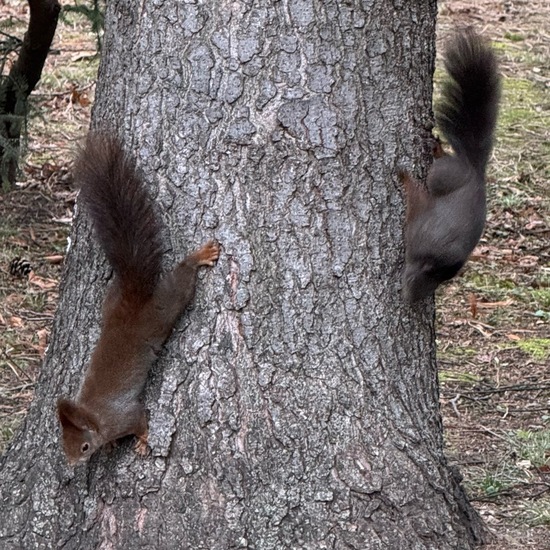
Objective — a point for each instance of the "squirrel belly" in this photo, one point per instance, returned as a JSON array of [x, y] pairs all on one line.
[[445, 220], [140, 308]]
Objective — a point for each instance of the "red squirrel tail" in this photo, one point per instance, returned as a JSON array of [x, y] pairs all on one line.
[[468, 110], [122, 212]]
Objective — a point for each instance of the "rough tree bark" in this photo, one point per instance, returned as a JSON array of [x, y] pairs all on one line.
[[23, 77], [296, 406]]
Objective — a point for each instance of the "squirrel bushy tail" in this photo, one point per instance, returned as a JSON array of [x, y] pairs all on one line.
[[113, 193], [468, 110]]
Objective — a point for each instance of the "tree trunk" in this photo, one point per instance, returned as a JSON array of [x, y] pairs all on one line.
[[296, 405], [23, 77]]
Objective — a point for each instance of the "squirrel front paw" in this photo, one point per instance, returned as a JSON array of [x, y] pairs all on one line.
[[141, 447], [208, 254]]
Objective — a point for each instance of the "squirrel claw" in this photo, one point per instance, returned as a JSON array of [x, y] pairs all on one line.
[[209, 253], [141, 447]]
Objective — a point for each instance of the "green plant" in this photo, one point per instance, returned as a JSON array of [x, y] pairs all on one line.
[[532, 446], [492, 485], [536, 513], [94, 12]]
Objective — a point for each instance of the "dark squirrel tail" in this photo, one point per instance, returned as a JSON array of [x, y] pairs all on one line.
[[468, 110], [113, 193]]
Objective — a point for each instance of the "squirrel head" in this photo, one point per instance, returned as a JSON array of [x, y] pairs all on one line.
[[418, 283], [423, 275], [81, 437]]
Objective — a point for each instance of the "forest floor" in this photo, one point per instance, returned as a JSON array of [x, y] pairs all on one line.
[[493, 323]]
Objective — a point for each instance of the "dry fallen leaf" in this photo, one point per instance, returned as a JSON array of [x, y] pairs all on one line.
[[528, 261], [79, 97], [491, 305], [483, 329], [55, 259], [16, 322], [42, 342], [84, 100], [48, 169], [473, 305], [40, 282]]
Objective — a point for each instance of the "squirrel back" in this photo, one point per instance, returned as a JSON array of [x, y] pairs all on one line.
[[468, 110], [122, 213]]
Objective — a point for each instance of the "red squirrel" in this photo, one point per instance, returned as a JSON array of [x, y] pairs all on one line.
[[140, 307], [445, 220]]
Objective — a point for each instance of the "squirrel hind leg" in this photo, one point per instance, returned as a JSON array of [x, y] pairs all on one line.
[[411, 186], [417, 198]]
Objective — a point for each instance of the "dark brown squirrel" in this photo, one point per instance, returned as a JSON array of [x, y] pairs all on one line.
[[445, 220], [140, 308]]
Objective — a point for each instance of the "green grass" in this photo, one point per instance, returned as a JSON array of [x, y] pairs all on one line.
[[458, 377], [522, 149], [541, 297], [493, 484], [532, 446], [514, 37], [526, 452], [496, 286], [537, 348], [7, 431], [536, 513], [483, 281], [35, 301], [81, 72], [455, 352], [6, 231]]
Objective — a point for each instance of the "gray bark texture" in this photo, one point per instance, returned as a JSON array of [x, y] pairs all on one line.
[[296, 404]]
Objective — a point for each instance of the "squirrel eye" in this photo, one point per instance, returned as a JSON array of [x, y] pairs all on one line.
[[84, 447]]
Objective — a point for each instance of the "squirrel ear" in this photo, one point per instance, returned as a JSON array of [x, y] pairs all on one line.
[[71, 415]]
